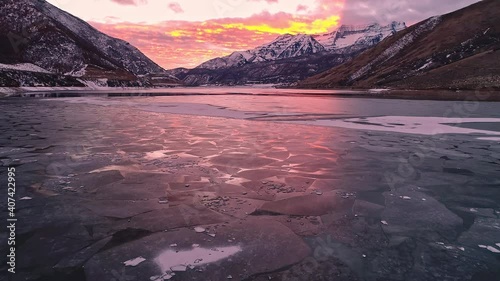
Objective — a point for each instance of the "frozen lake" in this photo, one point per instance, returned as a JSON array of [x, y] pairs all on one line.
[[404, 116], [246, 187]]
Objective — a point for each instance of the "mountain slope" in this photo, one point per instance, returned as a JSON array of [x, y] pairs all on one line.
[[457, 50], [36, 32], [288, 58], [365, 35], [267, 72], [286, 46], [31, 75]]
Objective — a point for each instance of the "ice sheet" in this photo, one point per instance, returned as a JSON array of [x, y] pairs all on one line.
[[169, 259]]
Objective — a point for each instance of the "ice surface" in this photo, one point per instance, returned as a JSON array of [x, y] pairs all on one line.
[[490, 248], [410, 124], [199, 229], [171, 259], [419, 125], [134, 262], [490, 139]]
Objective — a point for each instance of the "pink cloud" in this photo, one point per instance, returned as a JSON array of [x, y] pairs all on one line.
[[268, 1], [302, 8], [175, 7], [188, 43], [130, 2]]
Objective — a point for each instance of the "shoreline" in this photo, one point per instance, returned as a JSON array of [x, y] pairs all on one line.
[[439, 95]]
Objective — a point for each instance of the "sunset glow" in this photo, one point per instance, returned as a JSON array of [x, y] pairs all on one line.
[[185, 33], [191, 38]]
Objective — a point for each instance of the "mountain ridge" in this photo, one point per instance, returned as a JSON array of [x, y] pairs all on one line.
[[36, 32], [288, 45], [458, 50], [284, 46], [266, 63]]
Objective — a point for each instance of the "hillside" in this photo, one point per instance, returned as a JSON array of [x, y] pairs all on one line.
[[38, 33], [457, 50]]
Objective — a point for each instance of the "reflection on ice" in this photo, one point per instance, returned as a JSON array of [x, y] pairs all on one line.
[[171, 260], [156, 154], [490, 139], [409, 124], [134, 262]]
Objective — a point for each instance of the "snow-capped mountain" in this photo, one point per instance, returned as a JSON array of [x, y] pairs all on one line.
[[426, 56], [364, 35], [289, 46], [36, 32], [285, 46], [289, 58]]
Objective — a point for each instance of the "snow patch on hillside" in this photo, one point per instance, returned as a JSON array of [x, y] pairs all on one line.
[[425, 65], [78, 73], [327, 40], [349, 35], [398, 46], [23, 67], [95, 84]]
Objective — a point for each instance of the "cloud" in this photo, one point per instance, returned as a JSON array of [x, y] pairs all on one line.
[[410, 11], [268, 1], [175, 7], [183, 43], [189, 43], [130, 2], [198, 42], [302, 8]]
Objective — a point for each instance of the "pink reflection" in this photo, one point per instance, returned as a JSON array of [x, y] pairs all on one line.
[[169, 260]]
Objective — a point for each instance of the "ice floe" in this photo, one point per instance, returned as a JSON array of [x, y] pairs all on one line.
[[490, 248], [411, 125], [451, 247], [490, 139], [199, 229], [169, 260], [134, 262]]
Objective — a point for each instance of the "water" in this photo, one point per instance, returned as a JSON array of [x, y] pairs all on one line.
[[404, 116]]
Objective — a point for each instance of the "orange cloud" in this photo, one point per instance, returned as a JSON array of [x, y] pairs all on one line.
[[175, 44]]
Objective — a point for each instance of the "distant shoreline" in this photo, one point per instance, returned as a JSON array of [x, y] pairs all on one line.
[[444, 95]]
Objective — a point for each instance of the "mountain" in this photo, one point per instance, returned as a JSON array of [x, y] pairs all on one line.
[[38, 33], [286, 46], [268, 72], [350, 36], [26, 74], [458, 50], [288, 58]]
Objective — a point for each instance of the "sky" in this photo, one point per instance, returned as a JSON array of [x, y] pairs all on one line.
[[185, 33]]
